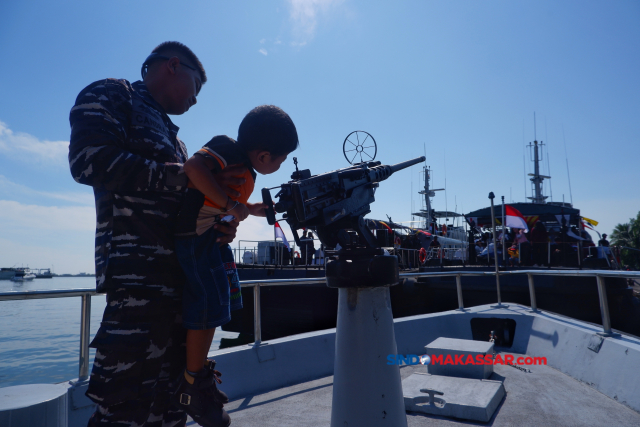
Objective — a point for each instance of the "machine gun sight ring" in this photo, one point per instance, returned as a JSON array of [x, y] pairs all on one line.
[[357, 144]]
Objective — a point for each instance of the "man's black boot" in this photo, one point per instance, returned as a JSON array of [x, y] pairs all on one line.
[[198, 400]]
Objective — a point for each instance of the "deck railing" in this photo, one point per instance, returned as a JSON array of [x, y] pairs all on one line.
[[272, 253], [85, 316], [86, 294]]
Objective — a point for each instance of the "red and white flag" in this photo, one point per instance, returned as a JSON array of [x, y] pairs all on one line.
[[515, 219], [280, 234]]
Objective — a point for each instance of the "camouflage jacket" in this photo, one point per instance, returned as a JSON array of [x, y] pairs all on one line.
[[126, 147]]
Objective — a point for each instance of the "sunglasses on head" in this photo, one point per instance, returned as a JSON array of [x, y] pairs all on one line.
[[154, 57]]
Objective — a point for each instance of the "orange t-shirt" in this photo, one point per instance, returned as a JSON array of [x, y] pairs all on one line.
[[245, 189], [226, 153]]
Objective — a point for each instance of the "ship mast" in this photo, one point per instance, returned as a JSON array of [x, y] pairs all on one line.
[[428, 193], [537, 179], [427, 197]]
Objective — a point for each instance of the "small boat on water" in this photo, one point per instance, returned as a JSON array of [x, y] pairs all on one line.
[[23, 275], [6, 273], [43, 273], [20, 274]]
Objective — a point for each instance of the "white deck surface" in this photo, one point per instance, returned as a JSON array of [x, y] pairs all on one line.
[[543, 397]]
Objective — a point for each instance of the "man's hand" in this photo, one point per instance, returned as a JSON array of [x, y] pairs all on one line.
[[229, 176], [257, 209], [228, 229], [240, 211]]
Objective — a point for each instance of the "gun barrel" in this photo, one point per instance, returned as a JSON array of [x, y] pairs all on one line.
[[382, 172], [403, 165]]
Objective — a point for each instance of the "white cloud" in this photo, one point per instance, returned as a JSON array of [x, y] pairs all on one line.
[[73, 259], [304, 14], [263, 51], [16, 216], [262, 41], [8, 187], [40, 236], [253, 229], [28, 146]]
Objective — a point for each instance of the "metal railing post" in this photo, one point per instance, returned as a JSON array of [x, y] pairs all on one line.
[[532, 293], [604, 306], [495, 248], [85, 319], [504, 233], [549, 254], [498, 288], [257, 325], [459, 289]]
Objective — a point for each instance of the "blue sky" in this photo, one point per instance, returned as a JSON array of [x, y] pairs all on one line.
[[460, 80]]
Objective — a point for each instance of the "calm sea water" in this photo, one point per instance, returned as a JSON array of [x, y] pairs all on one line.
[[40, 339]]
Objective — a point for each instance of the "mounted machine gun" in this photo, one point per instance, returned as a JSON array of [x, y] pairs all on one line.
[[334, 204]]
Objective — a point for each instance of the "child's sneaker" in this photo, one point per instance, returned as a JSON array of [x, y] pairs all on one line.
[[219, 394], [199, 400]]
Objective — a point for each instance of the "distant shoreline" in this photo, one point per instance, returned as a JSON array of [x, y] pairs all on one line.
[[74, 275]]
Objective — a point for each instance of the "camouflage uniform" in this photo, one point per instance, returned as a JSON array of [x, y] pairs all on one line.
[[127, 149]]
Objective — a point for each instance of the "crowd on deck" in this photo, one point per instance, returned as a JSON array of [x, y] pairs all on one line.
[[539, 247]]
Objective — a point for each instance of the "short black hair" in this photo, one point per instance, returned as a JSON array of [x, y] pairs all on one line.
[[172, 47], [268, 128]]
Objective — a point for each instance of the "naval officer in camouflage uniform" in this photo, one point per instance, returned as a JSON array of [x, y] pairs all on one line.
[[124, 145]]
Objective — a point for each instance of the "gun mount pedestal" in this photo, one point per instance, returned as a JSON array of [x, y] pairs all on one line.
[[366, 391]]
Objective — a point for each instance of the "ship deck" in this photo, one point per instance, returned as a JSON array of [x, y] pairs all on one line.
[[543, 396]]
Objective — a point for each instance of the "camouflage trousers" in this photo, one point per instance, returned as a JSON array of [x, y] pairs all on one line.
[[140, 354]]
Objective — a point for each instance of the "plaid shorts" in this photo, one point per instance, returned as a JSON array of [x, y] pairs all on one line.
[[212, 289]]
